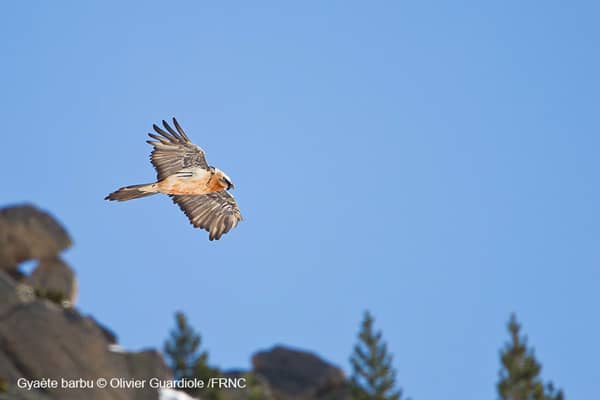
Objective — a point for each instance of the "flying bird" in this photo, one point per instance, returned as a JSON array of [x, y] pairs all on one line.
[[200, 190]]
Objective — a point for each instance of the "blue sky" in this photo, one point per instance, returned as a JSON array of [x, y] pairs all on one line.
[[433, 162]]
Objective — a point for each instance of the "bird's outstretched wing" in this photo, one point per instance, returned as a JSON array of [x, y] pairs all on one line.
[[215, 212], [173, 151]]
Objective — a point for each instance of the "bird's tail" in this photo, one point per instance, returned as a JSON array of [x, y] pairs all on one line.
[[133, 192]]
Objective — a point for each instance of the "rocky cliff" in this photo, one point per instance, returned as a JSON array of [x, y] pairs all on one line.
[[44, 338]]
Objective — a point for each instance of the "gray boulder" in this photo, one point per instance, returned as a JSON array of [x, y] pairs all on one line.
[[298, 375], [28, 233], [52, 277]]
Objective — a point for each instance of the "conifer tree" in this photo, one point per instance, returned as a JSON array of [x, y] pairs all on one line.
[[182, 348], [373, 377], [185, 358], [519, 375]]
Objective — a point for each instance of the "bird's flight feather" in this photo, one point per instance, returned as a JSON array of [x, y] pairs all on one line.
[[215, 212], [173, 151]]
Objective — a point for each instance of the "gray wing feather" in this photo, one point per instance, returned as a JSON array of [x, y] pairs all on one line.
[[173, 151], [216, 212]]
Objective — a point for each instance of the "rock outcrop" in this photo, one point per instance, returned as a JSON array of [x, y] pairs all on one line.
[[27, 233], [298, 375], [53, 277], [41, 336], [42, 340]]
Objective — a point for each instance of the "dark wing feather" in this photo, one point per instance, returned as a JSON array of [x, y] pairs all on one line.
[[215, 212], [173, 151]]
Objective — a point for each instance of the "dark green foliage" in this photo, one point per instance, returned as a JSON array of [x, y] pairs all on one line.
[[182, 349], [186, 360], [519, 376], [3, 386], [52, 295], [373, 377]]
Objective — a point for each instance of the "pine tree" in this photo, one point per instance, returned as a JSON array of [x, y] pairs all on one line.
[[185, 359], [182, 348], [519, 376], [373, 377]]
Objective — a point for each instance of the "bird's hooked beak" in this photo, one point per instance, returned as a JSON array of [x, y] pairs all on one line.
[[225, 180]]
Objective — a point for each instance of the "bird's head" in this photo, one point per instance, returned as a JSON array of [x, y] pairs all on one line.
[[224, 179]]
